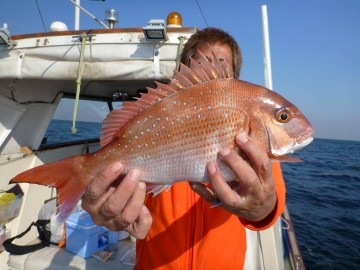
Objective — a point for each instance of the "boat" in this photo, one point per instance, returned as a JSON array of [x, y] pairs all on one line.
[[38, 71]]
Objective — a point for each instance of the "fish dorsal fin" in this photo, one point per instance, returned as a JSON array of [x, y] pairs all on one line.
[[186, 77]]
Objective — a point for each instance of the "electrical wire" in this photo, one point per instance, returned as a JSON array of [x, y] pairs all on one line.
[[42, 20], [202, 14]]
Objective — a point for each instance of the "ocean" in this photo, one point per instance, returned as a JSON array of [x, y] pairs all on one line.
[[323, 196]]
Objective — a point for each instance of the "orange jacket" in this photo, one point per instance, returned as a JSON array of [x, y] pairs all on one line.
[[187, 234]]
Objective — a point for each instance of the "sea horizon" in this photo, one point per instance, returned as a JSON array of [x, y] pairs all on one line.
[[315, 137]]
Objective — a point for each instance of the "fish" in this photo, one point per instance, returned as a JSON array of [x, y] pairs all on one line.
[[174, 130]]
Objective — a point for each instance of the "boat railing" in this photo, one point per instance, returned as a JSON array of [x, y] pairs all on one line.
[[52, 146]]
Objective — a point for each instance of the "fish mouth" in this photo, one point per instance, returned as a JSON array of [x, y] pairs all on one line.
[[298, 143], [295, 146], [303, 140], [302, 144]]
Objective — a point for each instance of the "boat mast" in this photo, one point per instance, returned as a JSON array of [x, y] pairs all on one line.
[[77, 15], [266, 48]]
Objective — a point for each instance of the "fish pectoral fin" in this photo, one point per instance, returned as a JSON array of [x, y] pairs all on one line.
[[284, 158], [156, 189]]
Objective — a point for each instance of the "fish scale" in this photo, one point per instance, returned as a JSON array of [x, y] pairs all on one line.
[[173, 131], [190, 130]]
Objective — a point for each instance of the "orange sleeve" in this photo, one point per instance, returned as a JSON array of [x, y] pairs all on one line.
[[280, 190]]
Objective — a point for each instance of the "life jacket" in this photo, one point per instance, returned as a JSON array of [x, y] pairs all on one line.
[[187, 234]]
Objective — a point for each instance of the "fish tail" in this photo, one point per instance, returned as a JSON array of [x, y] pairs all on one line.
[[64, 175]]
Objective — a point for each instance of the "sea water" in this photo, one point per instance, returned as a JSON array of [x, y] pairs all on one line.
[[323, 196]]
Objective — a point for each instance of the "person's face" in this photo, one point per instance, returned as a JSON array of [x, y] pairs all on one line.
[[222, 52]]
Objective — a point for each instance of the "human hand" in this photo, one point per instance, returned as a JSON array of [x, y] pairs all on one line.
[[118, 207], [254, 198]]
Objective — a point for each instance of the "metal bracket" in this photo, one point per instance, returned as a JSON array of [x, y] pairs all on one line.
[[156, 65], [89, 37], [5, 37]]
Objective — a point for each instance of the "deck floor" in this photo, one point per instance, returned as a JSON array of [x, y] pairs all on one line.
[[59, 258]]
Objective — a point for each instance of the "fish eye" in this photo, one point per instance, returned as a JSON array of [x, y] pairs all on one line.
[[283, 116]]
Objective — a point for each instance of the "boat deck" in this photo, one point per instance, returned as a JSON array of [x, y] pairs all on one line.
[[59, 258]]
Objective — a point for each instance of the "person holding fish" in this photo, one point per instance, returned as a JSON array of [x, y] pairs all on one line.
[[183, 231], [206, 128]]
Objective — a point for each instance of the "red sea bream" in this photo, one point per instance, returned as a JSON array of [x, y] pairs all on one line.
[[172, 132]]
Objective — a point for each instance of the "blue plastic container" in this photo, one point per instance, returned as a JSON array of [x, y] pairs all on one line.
[[83, 236], [113, 237]]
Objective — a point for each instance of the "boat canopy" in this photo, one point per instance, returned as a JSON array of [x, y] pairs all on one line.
[[114, 60], [37, 70]]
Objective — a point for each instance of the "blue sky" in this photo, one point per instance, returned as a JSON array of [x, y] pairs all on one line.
[[315, 45]]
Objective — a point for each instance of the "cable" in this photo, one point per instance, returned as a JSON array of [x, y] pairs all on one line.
[[202, 14], [37, 4], [286, 224]]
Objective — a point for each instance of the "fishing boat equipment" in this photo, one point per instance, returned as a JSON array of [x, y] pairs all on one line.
[[174, 20], [181, 47], [5, 36], [78, 80], [88, 13]]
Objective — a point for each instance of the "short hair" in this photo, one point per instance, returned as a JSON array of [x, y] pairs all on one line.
[[211, 36]]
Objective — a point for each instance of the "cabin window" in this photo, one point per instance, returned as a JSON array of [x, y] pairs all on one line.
[[90, 116]]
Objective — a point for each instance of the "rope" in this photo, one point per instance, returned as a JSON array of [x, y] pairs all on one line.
[[181, 47], [78, 81]]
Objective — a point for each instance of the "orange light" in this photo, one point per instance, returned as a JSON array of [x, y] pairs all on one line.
[[174, 20]]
